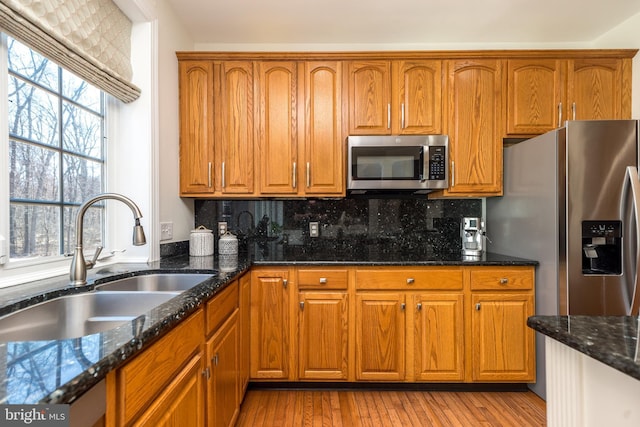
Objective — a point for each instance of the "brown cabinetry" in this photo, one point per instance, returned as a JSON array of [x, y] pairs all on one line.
[[244, 324], [474, 118], [196, 128], [544, 92], [502, 346], [394, 97], [270, 323]]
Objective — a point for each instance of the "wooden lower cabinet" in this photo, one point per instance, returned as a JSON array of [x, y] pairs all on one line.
[[380, 336], [223, 404], [323, 335], [438, 331], [244, 325]]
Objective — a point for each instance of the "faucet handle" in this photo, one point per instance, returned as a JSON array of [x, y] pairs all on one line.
[[91, 263]]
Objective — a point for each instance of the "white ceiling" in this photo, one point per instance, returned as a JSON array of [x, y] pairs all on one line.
[[401, 21]]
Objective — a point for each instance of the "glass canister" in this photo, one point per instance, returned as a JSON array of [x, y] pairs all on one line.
[[201, 242]]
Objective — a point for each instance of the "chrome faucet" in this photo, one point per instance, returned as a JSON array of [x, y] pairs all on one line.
[[79, 266]]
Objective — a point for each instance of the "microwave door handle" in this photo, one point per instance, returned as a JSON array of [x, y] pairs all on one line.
[[631, 217], [425, 163]]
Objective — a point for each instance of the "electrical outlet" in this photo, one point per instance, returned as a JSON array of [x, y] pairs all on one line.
[[166, 230], [314, 229], [222, 228]]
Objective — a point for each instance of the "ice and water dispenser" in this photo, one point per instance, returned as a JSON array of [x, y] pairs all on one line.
[[601, 247]]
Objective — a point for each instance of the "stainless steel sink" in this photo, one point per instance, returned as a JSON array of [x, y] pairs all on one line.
[[78, 315], [162, 282]]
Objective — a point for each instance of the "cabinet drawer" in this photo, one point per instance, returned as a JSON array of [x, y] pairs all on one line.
[[501, 278], [140, 380], [220, 307], [322, 279], [409, 278]]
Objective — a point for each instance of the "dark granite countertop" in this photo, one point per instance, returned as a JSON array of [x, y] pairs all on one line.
[[612, 340], [61, 371]]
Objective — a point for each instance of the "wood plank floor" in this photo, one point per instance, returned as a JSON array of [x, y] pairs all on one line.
[[390, 408]]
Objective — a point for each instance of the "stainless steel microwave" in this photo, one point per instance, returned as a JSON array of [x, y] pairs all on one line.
[[417, 163]]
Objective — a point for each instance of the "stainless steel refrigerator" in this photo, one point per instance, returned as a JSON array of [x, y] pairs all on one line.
[[571, 202]]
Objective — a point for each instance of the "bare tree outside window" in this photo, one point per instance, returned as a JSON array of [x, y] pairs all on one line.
[[56, 155]]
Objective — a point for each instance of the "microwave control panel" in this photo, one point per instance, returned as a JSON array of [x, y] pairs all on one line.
[[437, 162]]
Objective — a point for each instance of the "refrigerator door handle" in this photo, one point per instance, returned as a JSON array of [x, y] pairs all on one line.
[[632, 253]]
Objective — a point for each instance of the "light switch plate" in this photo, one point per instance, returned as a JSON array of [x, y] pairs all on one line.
[[222, 228], [166, 230], [313, 229]]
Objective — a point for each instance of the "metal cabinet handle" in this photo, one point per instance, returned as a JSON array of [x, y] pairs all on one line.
[[295, 172], [215, 359], [410, 280], [206, 373], [403, 306], [402, 115], [323, 280], [223, 178], [559, 114], [285, 282], [419, 306], [209, 176], [477, 306], [573, 110], [388, 116], [308, 175], [504, 281], [301, 305], [453, 173]]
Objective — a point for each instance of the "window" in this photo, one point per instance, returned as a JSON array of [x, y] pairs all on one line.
[[56, 155]]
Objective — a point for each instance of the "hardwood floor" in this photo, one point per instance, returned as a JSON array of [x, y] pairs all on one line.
[[390, 408]]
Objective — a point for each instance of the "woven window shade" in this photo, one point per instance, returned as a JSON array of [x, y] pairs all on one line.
[[91, 38]]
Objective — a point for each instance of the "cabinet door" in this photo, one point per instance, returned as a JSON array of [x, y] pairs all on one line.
[[277, 136], [234, 127], [181, 403], [244, 328], [438, 337], [323, 170], [474, 126], [369, 88], [323, 331], [417, 97], [196, 127], [535, 90], [380, 336], [599, 89], [502, 344], [222, 391], [270, 336]]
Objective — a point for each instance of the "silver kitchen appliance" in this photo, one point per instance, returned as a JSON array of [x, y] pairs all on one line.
[[571, 203], [472, 236], [414, 163]]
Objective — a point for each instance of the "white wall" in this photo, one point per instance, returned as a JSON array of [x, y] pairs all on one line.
[[627, 36], [172, 37]]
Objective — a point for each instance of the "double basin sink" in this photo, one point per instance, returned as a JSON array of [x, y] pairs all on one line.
[[110, 305]]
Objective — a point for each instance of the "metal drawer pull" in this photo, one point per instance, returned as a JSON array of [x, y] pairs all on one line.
[[285, 282], [504, 281], [419, 306], [323, 280], [403, 306], [410, 281], [301, 305], [478, 306]]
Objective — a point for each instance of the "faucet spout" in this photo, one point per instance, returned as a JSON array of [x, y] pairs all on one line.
[[79, 265]]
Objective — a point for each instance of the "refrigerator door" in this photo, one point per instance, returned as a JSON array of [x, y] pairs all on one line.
[[630, 203], [598, 154]]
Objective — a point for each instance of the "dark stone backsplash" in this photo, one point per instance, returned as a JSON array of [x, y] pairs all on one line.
[[403, 224]]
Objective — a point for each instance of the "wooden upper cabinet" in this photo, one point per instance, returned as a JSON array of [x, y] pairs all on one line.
[[416, 106], [277, 138], [369, 97], [395, 97], [196, 127], [535, 95], [474, 125], [322, 171], [599, 89], [234, 128]]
